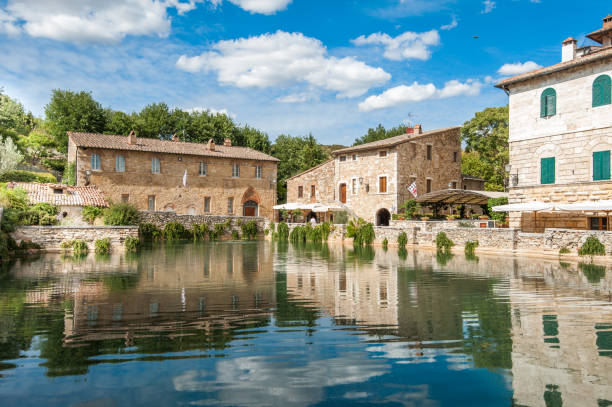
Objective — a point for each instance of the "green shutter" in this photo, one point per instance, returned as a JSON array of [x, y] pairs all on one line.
[[547, 170], [548, 103], [602, 91], [601, 165], [543, 105]]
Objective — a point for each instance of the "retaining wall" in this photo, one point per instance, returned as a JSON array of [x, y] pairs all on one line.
[[160, 219], [50, 237]]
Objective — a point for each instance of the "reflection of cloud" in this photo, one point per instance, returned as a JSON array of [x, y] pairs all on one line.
[[408, 353], [261, 381]]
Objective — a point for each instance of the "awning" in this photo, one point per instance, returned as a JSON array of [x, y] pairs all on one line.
[[460, 196], [587, 206], [535, 206]]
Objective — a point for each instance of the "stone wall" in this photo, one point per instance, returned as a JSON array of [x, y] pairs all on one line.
[[50, 237], [160, 219], [321, 176]]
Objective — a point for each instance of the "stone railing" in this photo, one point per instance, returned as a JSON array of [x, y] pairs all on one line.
[[160, 219], [50, 237]]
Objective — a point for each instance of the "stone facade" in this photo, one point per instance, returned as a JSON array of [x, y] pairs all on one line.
[[160, 219], [354, 176], [50, 237], [164, 191]]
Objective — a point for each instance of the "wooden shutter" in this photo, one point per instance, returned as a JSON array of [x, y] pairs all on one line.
[[382, 184], [548, 103], [601, 165], [602, 91], [547, 170]]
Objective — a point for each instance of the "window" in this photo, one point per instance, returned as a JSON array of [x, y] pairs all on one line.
[[203, 169], [125, 198], [258, 171], [207, 204], [342, 158], [599, 223], [95, 162], [454, 185], [236, 171], [230, 205], [58, 191], [428, 186], [354, 186], [155, 166], [548, 103], [312, 191], [547, 170], [300, 192], [382, 185], [455, 156], [119, 163], [429, 149], [601, 165], [602, 89], [151, 203], [354, 157], [382, 153]]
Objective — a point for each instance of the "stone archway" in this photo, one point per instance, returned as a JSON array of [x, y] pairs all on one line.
[[250, 202], [383, 216]]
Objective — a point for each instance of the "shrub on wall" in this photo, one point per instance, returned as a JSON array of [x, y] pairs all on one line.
[[79, 247], [410, 208], [402, 239], [235, 235], [149, 232], [132, 244], [470, 247], [103, 246], [283, 232], [121, 214], [443, 243], [69, 177], [592, 247], [173, 231], [361, 231], [200, 232], [91, 213], [249, 230]]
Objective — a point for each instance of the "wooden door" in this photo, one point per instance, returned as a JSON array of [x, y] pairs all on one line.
[[249, 211], [343, 193]]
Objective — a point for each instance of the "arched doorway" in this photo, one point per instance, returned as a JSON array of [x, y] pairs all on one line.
[[383, 217], [250, 208]]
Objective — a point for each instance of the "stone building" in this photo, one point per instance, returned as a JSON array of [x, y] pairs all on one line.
[[372, 179], [170, 175], [561, 136]]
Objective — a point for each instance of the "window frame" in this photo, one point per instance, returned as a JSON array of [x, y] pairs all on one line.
[[601, 165], [342, 158], [235, 170], [203, 166], [354, 186], [428, 185], [548, 103], [155, 165], [258, 171], [95, 163], [455, 156], [230, 205], [119, 159], [300, 191], [429, 152], [383, 153], [207, 202], [603, 85], [149, 198], [380, 184], [546, 178], [313, 191]]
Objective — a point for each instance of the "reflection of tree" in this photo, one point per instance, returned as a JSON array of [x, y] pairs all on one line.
[[592, 272]]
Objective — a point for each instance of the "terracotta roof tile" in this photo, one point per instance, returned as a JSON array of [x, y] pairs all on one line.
[[71, 196], [112, 142]]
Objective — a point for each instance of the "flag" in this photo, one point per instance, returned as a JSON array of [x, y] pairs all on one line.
[[413, 189], [185, 179]]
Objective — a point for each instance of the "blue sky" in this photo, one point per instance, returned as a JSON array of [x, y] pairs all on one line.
[[332, 68]]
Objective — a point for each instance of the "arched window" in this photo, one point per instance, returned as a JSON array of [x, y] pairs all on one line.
[[548, 103], [602, 89]]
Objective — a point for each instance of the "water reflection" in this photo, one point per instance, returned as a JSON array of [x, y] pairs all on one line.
[[259, 324]]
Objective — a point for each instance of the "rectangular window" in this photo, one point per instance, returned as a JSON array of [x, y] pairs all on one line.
[[155, 166], [95, 162], [354, 157], [125, 198], [207, 204], [151, 203], [455, 156], [342, 158], [601, 165], [354, 186], [300, 192], [203, 169], [230, 205], [119, 163], [382, 185], [382, 153], [236, 171], [454, 185], [429, 152], [428, 186], [312, 191], [599, 223], [547, 170], [258, 171]]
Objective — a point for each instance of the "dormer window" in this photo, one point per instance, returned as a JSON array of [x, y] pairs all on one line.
[[58, 191]]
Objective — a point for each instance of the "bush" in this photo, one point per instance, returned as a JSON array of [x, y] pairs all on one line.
[[443, 243], [7, 245], [496, 202], [173, 231], [69, 177], [132, 244], [235, 235], [272, 226], [47, 220], [410, 208], [283, 232], [217, 231], [148, 232], [298, 234], [121, 214], [592, 247], [326, 229], [465, 224], [91, 213], [385, 243], [27, 176], [340, 218], [470, 247], [402, 239], [564, 250], [103, 246], [200, 232], [361, 231], [13, 198], [58, 165], [249, 230], [66, 244], [79, 247]]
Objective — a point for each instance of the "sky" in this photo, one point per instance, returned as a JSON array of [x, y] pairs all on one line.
[[332, 68]]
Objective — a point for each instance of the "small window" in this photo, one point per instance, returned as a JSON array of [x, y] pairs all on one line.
[[454, 185], [429, 152], [313, 190], [119, 163], [58, 191], [548, 103], [382, 153], [207, 204], [382, 185], [125, 198], [300, 192], [155, 166], [95, 162], [354, 186], [258, 171], [601, 165], [230, 205], [342, 158], [599, 223], [455, 156], [236, 171], [428, 186], [203, 169], [151, 203], [354, 157], [602, 90], [547, 170]]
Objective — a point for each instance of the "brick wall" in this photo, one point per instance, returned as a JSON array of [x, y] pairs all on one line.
[[50, 237]]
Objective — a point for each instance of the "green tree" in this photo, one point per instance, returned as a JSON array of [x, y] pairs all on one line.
[[380, 133], [256, 139], [486, 139], [73, 111], [119, 122], [14, 120], [10, 157], [155, 120]]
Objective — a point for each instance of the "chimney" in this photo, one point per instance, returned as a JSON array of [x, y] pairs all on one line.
[[409, 131], [227, 142], [568, 50], [418, 129], [607, 22], [132, 138], [210, 146]]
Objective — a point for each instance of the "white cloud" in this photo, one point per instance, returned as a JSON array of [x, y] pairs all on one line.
[[295, 98], [451, 25], [262, 6], [211, 110], [282, 59], [417, 92], [409, 45], [518, 68], [489, 5]]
